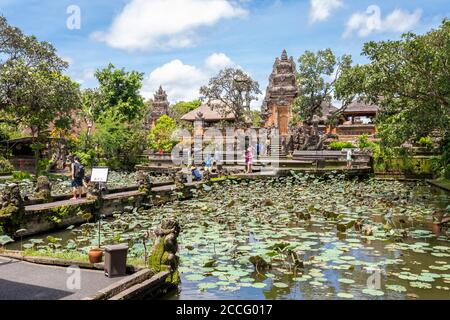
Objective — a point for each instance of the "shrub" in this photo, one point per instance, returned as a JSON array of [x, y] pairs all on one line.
[[42, 166], [87, 158], [21, 175], [160, 137], [339, 145], [426, 142], [5, 165]]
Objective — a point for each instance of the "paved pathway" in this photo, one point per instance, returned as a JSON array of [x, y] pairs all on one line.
[[27, 281]]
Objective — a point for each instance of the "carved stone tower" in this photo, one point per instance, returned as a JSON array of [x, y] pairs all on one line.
[[160, 107], [280, 94]]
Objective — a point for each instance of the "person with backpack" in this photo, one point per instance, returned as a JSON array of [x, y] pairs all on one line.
[[77, 178]]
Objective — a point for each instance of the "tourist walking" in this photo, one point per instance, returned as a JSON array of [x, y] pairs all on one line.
[[349, 159], [209, 163], [77, 172], [249, 160]]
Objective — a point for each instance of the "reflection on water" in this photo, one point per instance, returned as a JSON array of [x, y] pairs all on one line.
[[397, 256]]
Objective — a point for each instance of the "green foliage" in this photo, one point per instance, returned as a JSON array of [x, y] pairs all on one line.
[[59, 214], [21, 175], [235, 90], [42, 165], [115, 110], [339, 145], [120, 90], [34, 92], [441, 164], [315, 87], [426, 142], [255, 116], [160, 137], [181, 108], [411, 74], [5, 165], [87, 158], [119, 143]]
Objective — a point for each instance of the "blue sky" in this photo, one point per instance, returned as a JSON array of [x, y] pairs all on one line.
[[181, 43]]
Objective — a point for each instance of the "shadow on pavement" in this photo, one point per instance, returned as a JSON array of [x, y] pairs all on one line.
[[19, 291]]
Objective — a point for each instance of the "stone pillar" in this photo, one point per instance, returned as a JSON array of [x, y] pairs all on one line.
[[144, 182], [43, 189], [11, 202], [164, 253]]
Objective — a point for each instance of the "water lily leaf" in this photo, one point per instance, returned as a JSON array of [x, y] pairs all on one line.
[[396, 288], [345, 295], [4, 240], [194, 277], [280, 285], [373, 292]]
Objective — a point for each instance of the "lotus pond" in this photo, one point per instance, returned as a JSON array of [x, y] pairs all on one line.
[[298, 237]]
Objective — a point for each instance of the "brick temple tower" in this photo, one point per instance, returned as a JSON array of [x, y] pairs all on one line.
[[160, 107], [281, 92]]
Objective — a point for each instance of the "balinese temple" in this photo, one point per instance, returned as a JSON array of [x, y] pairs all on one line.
[[280, 94], [327, 110], [209, 115], [160, 107], [359, 119]]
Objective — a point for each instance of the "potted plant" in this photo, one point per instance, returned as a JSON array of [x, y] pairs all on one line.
[[96, 253]]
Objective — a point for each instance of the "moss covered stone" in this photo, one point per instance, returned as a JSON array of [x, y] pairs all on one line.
[[164, 253]]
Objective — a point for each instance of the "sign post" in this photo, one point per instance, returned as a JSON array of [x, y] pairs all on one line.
[[99, 175]]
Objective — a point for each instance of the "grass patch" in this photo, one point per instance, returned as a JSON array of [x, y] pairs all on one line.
[[74, 256]]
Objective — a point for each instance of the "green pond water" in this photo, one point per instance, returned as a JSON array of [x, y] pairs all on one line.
[[393, 252]]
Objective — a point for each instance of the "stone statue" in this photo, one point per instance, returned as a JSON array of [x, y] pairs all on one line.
[[179, 179], [164, 253], [144, 181], [92, 192], [11, 202], [207, 176], [43, 189], [307, 137]]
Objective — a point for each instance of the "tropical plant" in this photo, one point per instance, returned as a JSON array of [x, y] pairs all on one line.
[[161, 136], [408, 78], [339, 145], [119, 89], [322, 77], [5, 165], [34, 92]]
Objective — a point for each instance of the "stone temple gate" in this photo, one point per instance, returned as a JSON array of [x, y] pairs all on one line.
[[280, 95]]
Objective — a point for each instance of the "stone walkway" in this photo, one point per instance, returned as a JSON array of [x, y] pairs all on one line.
[[120, 195], [27, 281]]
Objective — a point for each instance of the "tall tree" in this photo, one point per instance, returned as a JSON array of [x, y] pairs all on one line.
[[320, 79], [120, 90], [181, 108], [234, 90], [33, 90], [409, 78]]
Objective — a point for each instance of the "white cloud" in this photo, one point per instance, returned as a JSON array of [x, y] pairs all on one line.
[[218, 61], [86, 75], [366, 23], [181, 81], [321, 9], [69, 60], [161, 24]]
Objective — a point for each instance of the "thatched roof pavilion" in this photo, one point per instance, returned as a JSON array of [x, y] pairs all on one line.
[[209, 114]]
